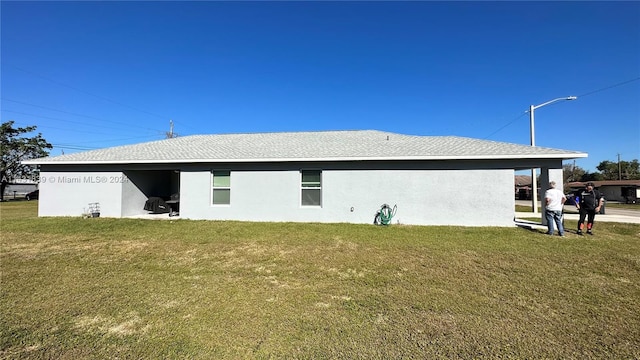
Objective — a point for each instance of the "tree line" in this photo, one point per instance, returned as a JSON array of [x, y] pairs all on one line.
[[607, 170], [16, 147]]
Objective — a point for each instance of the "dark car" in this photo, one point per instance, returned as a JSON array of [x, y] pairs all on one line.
[[32, 195]]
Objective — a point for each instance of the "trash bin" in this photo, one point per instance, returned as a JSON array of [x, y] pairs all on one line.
[[604, 202]]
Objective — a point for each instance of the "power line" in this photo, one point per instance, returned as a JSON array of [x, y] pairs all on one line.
[[73, 147], [579, 96], [121, 139], [506, 125], [609, 87], [77, 147], [71, 113], [63, 129], [68, 121], [153, 137], [87, 93]]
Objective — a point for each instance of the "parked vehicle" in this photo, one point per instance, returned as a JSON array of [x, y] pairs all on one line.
[[32, 195]]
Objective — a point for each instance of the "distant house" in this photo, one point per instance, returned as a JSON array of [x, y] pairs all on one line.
[[522, 184], [331, 176], [625, 191]]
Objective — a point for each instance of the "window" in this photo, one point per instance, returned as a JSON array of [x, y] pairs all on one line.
[[311, 187], [221, 187]]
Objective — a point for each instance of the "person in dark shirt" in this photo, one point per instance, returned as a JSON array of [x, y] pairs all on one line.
[[588, 202]]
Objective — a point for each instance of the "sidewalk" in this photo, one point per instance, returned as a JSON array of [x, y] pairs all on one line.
[[599, 217]]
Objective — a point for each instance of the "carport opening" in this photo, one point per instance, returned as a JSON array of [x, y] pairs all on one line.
[[153, 184]]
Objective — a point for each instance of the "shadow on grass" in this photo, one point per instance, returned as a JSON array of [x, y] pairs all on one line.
[[531, 225]]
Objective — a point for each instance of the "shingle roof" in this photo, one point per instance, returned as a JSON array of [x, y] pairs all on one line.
[[308, 146], [522, 180], [630, 183]]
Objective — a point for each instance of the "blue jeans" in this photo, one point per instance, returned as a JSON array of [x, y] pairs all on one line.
[[554, 216]]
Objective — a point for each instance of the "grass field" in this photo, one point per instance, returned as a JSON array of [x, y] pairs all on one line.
[[100, 288], [624, 206], [529, 208]]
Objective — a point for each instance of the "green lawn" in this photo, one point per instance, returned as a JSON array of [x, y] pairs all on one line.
[[100, 288], [524, 208], [623, 206]]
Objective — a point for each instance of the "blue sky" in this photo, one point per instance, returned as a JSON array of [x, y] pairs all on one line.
[[100, 74]]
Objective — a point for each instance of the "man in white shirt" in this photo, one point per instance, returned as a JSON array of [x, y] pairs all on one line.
[[554, 203]]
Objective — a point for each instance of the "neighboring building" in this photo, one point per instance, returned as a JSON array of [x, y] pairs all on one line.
[[331, 176], [624, 191], [19, 188], [522, 184]]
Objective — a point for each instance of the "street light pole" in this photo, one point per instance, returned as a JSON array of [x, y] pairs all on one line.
[[619, 169], [534, 180]]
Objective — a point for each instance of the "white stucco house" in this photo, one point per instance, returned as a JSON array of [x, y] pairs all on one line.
[[329, 176]]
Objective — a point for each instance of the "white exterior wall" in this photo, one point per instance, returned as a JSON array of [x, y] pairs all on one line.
[[469, 197], [133, 198], [423, 197], [69, 193]]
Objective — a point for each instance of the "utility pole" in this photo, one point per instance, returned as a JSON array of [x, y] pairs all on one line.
[[170, 134], [619, 169]]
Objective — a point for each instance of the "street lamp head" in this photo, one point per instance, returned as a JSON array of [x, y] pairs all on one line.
[[552, 101]]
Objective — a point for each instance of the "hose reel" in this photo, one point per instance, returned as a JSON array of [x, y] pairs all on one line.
[[385, 214]]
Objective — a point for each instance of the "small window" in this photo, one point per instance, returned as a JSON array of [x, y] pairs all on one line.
[[311, 188], [221, 187]]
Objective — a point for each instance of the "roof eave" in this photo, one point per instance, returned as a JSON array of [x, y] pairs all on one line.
[[563, 156]]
